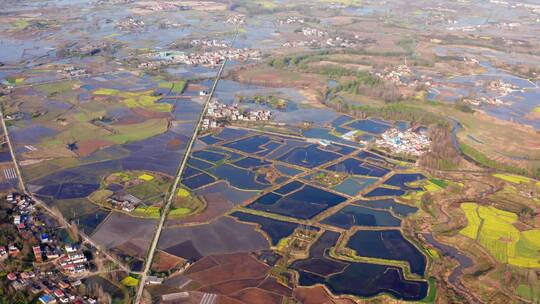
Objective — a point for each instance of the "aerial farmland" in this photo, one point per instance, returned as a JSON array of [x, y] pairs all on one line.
[[269, 152]]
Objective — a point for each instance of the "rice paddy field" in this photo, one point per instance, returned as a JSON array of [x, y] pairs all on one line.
[[222, 236], [102, 137], [302, 208], [234, 278], [125, 234], [241, 191], [493, 229], [84, 142], [517, 179], [263, 188]]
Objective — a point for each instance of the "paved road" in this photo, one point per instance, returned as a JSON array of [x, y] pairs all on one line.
[[46, 207], [172, 192]]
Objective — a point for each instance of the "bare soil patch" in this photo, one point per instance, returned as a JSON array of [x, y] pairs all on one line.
[[87, 147], [166, 261], [237, 278], [317, 295], [123, 230]]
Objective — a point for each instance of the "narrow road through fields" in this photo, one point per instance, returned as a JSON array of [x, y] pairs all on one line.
[[172, 192]]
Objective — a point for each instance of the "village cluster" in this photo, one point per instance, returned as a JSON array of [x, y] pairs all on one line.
[[402, 75], [130, 24], [323, 39], [291, 20], [236, 19], [210, 58], [502, 88], [73, 72], [495, 87], [161, 6], [409, 142], [167, 24], [313, 32], [58, 265], [88, 48], [211, 43], [485, 100], [125, 202], [218, 114]]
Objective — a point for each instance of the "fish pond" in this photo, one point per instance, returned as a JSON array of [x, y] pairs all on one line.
[[390, 205], [381, 191], [198, 181], [276, 230], [240, 178], [356, 167], [303, 203], [308, 157], [353, 185], [370, 126], [388, 245], [360, 279], [351, 216], [402, 179]]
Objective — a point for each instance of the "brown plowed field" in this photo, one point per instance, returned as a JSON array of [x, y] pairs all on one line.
[[257, 295], [233, 266], [166, 261], [87, 147], [317, 295], [237, 278]]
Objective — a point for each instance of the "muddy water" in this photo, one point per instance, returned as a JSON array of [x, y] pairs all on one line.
[[463, 260]]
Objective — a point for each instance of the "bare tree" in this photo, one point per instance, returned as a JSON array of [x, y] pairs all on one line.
[[73, 231], [442, 155]]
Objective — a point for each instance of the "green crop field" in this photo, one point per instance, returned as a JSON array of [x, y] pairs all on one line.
[[100, 196], [186, 203], [20, 24], [144, 99], [177, 86], [140, 131], [434, 186], [473, 220], [118, 134], [493, 229], [130, 281], [516, 179], [179, 212], [155, 212], [439, 182], [528, 248], [56, 87], [87, 116], [529, 292], [149, 212], [76, 132]]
